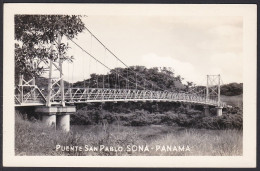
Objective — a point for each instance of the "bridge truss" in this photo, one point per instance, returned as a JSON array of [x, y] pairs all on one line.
[[35, 96]]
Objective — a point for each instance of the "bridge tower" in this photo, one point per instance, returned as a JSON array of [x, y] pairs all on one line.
[[213, 93], [56, 112]]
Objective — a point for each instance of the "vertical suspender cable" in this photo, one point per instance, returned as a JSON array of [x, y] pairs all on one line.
[[70, 91], [108, 79], [104, 70], [97, 74], [118, 81], [84, 79], [72, 74], [90, 62], [84, 74], [127, 86], [116, 75], [136, 81], [69, 75]]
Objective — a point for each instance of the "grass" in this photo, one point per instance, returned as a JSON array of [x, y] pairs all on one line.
[[36, 139], [235, 101]]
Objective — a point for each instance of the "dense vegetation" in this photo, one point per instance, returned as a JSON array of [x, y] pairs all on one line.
[[35, 139], [232, 89], [162, 113], [153, 78]]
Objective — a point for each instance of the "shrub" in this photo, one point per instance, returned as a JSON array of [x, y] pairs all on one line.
[[228, 121], [140, 118], [181, 116]]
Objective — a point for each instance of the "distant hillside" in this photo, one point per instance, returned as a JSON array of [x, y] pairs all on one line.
[[149, 78], [153, 78], [232, 89]]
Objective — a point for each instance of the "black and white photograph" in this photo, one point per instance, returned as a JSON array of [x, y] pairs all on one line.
[[132, 80]]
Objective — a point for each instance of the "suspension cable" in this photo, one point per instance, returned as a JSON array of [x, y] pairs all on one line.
[[117, 57], [97, 59]]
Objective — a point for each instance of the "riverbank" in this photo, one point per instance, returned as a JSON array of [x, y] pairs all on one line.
[[34, 139]]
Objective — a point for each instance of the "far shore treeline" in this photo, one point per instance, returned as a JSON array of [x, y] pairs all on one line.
[[156, 79]]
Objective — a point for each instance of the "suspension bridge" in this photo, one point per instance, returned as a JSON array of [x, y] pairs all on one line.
[[56, 103]]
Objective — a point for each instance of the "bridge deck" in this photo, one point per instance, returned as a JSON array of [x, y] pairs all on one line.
[[35, 96]]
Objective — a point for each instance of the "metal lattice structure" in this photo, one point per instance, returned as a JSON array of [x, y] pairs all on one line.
[[56, 85], [27, 93], [213, 88], [90, 95]]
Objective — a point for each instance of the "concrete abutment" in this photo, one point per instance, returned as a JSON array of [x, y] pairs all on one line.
[[63, 122], [56, 115], [49, 120], [219, 111]]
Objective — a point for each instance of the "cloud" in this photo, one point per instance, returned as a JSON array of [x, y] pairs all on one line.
[[192, 46], [229, 65], [226, 30], [184, 69], [222, 38]]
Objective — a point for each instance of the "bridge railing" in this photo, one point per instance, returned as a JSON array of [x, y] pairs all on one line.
[[84, 95], [29, 94], [81, 95]]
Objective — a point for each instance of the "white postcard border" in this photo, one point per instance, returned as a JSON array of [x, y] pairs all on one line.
[[249, 98]]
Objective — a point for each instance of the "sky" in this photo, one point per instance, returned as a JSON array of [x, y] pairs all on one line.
[[193, 46]]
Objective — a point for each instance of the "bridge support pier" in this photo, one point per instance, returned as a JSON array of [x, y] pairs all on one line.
[[206, 110], [219, 111], [57, 115], [49, 120], [63, 122]]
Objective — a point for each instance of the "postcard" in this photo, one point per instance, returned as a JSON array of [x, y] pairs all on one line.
[[129, 85]]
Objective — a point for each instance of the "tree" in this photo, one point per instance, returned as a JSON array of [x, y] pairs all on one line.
[[151, 79], [35, 34], [189, 85]]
